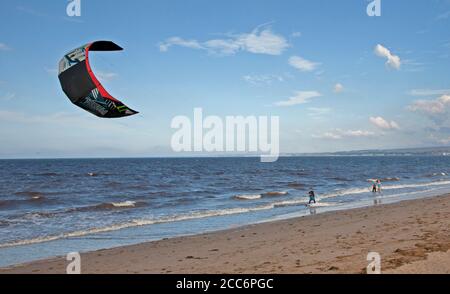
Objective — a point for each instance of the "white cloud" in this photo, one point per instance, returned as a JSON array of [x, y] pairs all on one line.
[[383, 124], [177, 41], [4, 47], [301, 97], [296, 34], [432, 107], [393, 61], [437, 111], [341, 134], [258, 41], [222, 46], [429, 92], [338, 88], [264, 42], [328, 135], [303, 64], [262, 79]]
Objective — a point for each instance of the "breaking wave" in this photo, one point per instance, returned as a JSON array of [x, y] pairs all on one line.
[[248, 197]]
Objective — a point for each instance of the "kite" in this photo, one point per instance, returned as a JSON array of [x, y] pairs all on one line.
[[83, 88]]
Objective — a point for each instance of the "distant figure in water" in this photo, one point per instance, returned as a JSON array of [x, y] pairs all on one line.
[[379, 186], [374, 187], [312, 197]]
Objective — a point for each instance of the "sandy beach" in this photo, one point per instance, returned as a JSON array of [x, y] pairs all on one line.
[[411, 237]]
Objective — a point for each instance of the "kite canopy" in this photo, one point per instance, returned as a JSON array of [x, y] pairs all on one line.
[[83, 88]]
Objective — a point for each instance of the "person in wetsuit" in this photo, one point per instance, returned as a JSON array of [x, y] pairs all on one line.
[[312, 197]]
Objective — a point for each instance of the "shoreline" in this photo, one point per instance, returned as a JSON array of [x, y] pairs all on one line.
[[412, 236]]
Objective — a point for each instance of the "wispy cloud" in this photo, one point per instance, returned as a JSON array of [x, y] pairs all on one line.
[[429, 92], [177, 41], [4, 47], [296, 34], [338, 88], [338, 134], [443, 16], [31, 11], [300, 97], [383, 124], [302, 64], [7, 96], [258, 80], [259, 41], [393, 61]]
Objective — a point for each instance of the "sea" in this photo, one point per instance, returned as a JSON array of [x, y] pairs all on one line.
[[51, 207]]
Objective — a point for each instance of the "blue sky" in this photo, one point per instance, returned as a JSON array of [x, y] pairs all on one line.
[[338, 79]]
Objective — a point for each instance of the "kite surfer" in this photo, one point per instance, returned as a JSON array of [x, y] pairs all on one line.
[[312, 197]]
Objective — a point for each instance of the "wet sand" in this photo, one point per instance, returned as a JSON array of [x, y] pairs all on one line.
[[411, 237]]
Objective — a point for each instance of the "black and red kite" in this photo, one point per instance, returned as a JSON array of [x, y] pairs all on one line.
[[83, 88]]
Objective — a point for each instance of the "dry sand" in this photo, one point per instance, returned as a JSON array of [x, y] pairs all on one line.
[[411, 237]]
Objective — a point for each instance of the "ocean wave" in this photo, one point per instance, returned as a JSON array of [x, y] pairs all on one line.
[[4, 223], [108, 206], [393, 179], [282, 193], [50, 174], [30, 194], [429, 184], [440, 174], [124, 204], [352, 191], [136, 223], [248, 197], [300, 201], [146, 222], [11, 203], [340, 179], [56, 213]]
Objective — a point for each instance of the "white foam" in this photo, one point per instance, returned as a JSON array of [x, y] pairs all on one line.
[[321, 204], [124, 204], [137, 223], [438, 183], [248, 197], [209, 213], [352, 191]]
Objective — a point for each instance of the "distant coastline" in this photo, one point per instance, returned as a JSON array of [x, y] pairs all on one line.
[[425, 151]]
